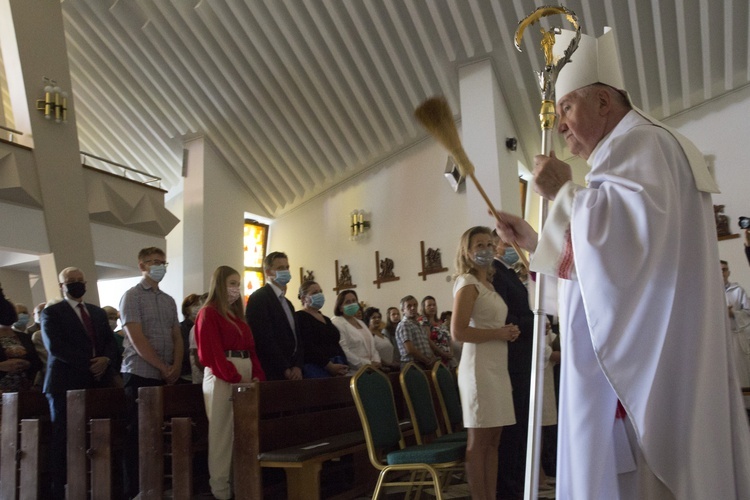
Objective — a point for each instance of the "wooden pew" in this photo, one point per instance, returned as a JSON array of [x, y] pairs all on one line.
[[171, 423], [25, 430], [297, 426], [96, 429]]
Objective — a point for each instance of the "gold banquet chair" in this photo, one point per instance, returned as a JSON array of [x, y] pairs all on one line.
[[448, 397], [418, 396], [387, 450]]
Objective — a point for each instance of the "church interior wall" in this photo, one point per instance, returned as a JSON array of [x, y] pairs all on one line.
[[719, 129], [407, 200]]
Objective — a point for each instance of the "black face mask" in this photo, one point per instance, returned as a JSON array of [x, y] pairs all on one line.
[[76, 290]]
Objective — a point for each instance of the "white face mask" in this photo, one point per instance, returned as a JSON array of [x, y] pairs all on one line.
[[233, 293], [113, 324], [483, 257]]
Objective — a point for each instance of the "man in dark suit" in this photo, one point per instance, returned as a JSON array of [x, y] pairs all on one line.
[[82, 352], [271, 317], [512, 451]]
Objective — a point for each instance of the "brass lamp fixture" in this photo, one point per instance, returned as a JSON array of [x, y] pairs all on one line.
[[55, 102], [358, 224]]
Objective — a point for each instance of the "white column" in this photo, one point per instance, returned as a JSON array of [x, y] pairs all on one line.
[[33, 45], [485, 125], [214, 203]]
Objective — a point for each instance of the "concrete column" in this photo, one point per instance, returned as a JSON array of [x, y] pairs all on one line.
[[485, 125], [49, 272], [33, 45], [214, 203], [195, 279]]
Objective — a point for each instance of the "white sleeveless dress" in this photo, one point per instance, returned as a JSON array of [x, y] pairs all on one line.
[[483, 380]]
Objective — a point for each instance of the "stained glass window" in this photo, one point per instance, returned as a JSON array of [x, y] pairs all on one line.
[[255, 240]]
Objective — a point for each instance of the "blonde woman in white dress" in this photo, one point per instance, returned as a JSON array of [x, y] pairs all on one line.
[[479, 322]]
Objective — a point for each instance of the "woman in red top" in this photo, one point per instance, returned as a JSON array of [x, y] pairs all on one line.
[[227, 349]]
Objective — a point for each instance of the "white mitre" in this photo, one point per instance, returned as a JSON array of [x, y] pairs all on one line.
[[597, 61]]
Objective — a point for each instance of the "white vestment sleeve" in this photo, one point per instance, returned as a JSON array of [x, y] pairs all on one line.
[[554, 252]]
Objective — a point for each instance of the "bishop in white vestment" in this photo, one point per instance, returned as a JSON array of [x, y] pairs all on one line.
[[650, 407]]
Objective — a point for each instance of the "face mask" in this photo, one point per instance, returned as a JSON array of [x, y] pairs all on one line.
[[351, 309], [484, 257], [233, 293], [510, 257], [194, 311], [157, 273], [23, 321], [113, 324], [317, 300], [75, 290], [283, 277]]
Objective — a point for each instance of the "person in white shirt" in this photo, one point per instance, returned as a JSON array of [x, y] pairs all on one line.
[[738, 308]]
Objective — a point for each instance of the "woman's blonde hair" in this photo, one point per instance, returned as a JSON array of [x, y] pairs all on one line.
[[464, 262], [218, 297]]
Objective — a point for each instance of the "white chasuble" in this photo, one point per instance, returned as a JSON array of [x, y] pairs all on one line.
[[643, 320]]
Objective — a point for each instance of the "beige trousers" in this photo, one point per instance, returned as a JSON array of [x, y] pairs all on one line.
[[217, 398]]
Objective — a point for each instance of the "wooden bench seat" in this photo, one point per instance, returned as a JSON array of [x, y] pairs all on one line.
[[297, 426], [96, 432], [313, 450], [171, 423], [25, 431]]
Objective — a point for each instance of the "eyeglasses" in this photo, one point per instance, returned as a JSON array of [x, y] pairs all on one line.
[[156, 262]]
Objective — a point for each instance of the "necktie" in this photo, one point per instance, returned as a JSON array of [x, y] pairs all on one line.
[[89, 327], [289, 317]]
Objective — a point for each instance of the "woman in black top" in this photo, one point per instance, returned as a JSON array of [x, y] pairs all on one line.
[[320, 339]]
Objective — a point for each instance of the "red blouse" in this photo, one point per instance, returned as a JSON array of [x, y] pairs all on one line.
[[214, 334]]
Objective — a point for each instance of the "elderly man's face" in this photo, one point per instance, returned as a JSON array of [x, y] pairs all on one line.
[[582, 121]]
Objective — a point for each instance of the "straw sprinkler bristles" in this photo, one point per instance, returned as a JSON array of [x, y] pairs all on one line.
[[436, 116]]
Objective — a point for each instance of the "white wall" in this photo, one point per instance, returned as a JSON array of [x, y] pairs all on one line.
[[15, 285], [407, 200], [719, 128]]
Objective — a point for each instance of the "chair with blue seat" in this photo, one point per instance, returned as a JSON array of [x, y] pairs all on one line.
[[386, 447], [448, 398], [418, 396]]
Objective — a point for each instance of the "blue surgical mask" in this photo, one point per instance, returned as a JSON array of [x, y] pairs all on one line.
[[23, 321], [484, 257], [283, 277], [317, 300], [510, 257], [157, 272], [351, 309]]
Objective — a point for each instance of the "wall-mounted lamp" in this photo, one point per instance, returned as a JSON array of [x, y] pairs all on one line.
[[453, 174], [55, 102], [357, 224]]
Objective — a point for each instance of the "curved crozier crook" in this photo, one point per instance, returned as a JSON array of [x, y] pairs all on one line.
[[548, 76]]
